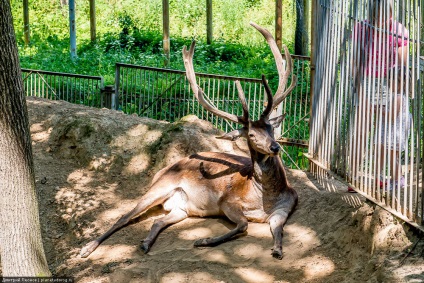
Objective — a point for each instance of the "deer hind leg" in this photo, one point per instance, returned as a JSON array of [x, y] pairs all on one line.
[[177, 204], [234, 212], [149, 200], [276, 223]]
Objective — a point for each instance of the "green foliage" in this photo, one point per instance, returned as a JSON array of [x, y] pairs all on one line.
[[187, 18], [130, 31]]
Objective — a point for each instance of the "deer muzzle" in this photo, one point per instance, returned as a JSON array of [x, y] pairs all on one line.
[[275, 148]]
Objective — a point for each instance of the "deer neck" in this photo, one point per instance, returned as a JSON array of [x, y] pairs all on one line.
[[268, 172]]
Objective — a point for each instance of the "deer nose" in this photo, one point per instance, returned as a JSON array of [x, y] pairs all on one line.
[[275, 148]]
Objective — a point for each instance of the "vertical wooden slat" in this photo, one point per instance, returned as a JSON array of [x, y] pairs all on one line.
[[314, 38]]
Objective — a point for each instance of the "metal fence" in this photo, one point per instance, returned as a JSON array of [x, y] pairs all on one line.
[[367, 109], [165, 94], [78, 89], [297, 106]]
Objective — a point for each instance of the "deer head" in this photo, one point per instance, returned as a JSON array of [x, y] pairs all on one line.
[[259, 134]]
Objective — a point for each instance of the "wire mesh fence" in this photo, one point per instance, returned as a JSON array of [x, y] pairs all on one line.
[[295, 128], [78, 89], [165, 94], [367, 106]]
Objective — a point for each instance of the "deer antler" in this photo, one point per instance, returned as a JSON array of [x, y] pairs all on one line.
[[283, 76], [243, 102], [199, 94], [270, 104]]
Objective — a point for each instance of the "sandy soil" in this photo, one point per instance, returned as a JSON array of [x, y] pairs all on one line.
[[93, 164]]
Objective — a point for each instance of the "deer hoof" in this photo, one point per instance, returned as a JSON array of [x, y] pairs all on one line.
[[202, 242], [145, 246], [278, 254], [89, 248]]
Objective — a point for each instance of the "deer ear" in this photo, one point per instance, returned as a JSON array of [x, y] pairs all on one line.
[[233, 135], [275, 122]]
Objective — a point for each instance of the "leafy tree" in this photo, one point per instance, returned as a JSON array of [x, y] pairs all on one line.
[[21, 248]]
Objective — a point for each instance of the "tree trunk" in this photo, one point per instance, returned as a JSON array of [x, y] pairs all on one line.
[[21, 248], [279, 23], [209, 22], [301, 42]]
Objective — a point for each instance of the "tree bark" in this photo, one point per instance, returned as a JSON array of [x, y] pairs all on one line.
[[21, 248], [93, 20], [279, 23], [209, 22], [166, 40], [301, 41], [26, 22]]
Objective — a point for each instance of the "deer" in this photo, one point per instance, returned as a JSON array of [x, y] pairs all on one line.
[[208, 184]]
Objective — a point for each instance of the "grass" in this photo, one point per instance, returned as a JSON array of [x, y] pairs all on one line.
[[145, 48]]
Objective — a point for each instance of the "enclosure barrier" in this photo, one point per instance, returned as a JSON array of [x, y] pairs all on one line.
[[78, 89], [366, 122], [165, 94]]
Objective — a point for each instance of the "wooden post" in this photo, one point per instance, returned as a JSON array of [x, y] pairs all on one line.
[[279, 23], [166, 43], [72, 29], [307, 15], [209, 30], [93, 20], [421, 46], [278, 39], [26, 23], [314, 22]]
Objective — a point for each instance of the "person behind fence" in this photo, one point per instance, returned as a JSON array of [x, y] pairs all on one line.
[[378, 44], [392, 132]]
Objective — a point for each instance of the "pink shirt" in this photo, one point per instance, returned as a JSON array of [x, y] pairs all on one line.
[[380, 54]]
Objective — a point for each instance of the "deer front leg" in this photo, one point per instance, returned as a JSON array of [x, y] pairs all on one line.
[[234, 212], [276, 223]]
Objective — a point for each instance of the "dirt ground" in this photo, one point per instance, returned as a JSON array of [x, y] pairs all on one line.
[[93, 164]]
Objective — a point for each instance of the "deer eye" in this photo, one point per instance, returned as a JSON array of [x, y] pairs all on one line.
[[251, 135]]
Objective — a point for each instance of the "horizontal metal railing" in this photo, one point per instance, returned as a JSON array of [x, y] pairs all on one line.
[[78, 89], [165, 94]]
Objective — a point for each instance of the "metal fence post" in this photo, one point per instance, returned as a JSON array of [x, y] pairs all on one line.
[[115, 95], [72, 29], [107, 94]]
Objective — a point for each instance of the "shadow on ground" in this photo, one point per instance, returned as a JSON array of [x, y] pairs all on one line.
[[93, 164]]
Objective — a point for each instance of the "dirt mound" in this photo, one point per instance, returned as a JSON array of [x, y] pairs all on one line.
[[93, 164]]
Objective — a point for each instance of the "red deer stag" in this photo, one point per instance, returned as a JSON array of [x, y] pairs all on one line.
[[211, 183]]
